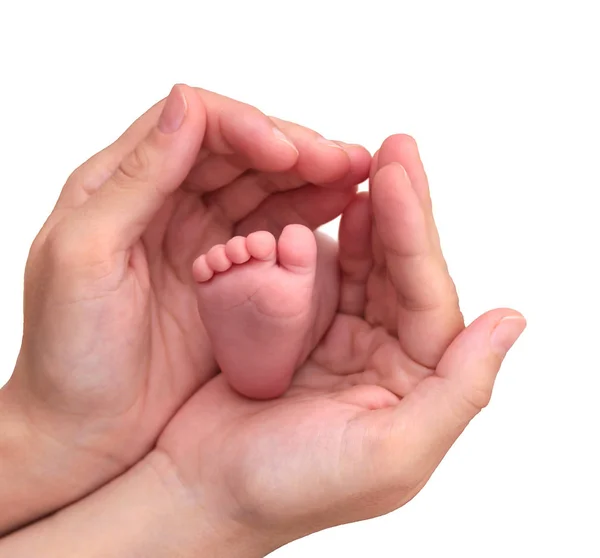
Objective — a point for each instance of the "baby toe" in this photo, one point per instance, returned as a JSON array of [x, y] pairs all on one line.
[[217, 259], [237, 251], [201, 271], [261, 245]]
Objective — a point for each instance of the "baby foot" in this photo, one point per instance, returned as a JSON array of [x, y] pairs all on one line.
[[255, 298]]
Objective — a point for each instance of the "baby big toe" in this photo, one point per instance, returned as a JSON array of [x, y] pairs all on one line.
[[297, 248]]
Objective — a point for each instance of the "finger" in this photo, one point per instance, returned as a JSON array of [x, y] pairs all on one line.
[[125, 204], [245, 194], [238, 137], [236, 133], [88, 177], [425, 424], [236, 128], [374, 165], [309, 205], [355, 257], [376, 247], [403, 149], [428, 314], [214, 172], [321, 161]]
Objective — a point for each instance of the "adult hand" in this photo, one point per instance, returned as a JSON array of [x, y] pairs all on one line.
[[113, 343], [378, 404]]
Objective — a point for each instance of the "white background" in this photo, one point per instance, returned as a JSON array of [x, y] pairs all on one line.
[[503, 99]]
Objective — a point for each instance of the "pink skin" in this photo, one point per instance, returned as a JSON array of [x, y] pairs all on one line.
[[258, 299]]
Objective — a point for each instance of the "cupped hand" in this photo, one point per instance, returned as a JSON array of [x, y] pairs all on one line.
[[113, 343], [380, 401]]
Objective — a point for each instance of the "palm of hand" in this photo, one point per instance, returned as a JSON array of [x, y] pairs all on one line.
[[138, 310], [177, 340], [315, 448], [272, 458]]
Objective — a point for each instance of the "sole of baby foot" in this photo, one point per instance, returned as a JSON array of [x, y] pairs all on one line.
[[255, 299]]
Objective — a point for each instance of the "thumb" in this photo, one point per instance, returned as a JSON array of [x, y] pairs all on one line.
[[126, 203], [425, 424], [471, 363]]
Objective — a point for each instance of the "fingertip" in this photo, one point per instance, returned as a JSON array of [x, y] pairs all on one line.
[[397, 142], [360, 162], [473, 359], [400, 148], [356, 219], [173, 112], [374, 166], [195, 109], [391, 169], [152, 168], [323, 161], [280, 136], [391, 185], [355, 151], [356, 171], [506, 333]]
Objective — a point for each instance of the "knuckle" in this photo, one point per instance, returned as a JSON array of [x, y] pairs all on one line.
[[479, 397], [75, 177], [63, 249], [67, 249], [90, 175], [38, 243], [79, 174], [134, 167], [475, 399]]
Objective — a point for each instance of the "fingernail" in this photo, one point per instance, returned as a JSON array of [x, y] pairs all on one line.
[[174, 111], [282, 137], [359, 146], [506, 333], [400, 167], [330, 143]]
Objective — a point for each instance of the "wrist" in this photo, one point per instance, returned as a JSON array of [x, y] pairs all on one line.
[[18, 447], [146, 512], [40, 469], [196, 525]]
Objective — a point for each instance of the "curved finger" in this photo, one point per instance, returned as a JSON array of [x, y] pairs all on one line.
[[374, 165], [401, 148], [320, 161], [355, 256], [308, 205], [238, 137], [125, 204], [88, 177], [248, 198], [428, 313], [423, 426]]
